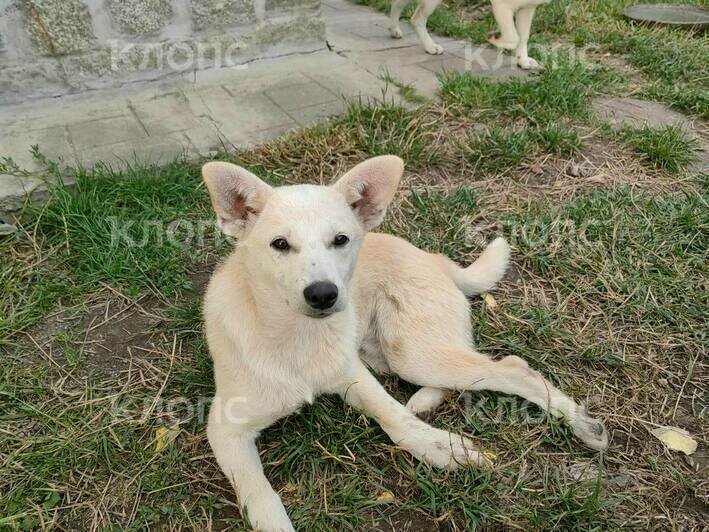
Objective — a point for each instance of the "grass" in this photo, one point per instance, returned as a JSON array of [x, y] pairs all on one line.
[[561, 92], [102, 343], [669, 148]]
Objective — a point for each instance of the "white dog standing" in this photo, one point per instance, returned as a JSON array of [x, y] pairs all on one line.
[[308, 289], [513, 17]]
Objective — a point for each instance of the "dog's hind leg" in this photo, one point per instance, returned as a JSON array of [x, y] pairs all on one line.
[[507, 37], [463, 369], [433, 446], [419, 20], [524, 25], [397, 6]]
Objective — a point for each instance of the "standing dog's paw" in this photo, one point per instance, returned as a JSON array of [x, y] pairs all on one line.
[[395, 32], [590, 430], [434, 49], [527, 63]]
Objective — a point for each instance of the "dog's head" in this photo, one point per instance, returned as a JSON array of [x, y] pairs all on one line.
[[302, 241]]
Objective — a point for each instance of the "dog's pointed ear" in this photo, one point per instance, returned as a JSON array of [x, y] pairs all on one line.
[[370, 186], [238, 196]]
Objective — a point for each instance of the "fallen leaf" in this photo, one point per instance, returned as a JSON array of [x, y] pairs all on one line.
[[675, 439], [164, 436], [386, 498], [489, 300], [490, 455]]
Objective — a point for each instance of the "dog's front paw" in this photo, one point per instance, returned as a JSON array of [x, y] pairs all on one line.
[[434, 49], [527, 63], [590, 430], [395, 32], [495, 38], [267, 514], [443, 449]]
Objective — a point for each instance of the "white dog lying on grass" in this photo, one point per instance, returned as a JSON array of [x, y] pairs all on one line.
[[308, 290], [513, 17]]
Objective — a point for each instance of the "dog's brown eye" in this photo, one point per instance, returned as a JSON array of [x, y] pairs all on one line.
[[281, 244], [340, 240]]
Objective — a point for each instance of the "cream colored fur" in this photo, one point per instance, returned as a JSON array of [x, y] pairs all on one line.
[[402, 309], [513, 17]]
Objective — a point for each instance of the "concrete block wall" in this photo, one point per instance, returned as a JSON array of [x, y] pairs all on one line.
[[55, 47]]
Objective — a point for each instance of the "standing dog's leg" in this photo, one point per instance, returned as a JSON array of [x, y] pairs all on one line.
[[524, 25], [460, 369], [434, 446], [507, 37], [397, 6], [419, 20], [237, 455]]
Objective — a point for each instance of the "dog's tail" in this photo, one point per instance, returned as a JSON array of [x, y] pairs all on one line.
[[483, 274]]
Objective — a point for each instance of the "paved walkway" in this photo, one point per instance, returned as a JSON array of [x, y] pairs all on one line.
[[233, 107]]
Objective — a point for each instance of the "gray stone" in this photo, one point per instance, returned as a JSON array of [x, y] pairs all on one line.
[[423, 81], [57, 47], [44, 75], [289, 5], [637, 113], [96, 133], [16, 191], [166, 114], [79, 70], [137, 151], [52, 143], [301, 29], [244, 112], [240, 140], [313, 114], [351, 82], [206, 139], [208, 14], [296, 95], [141, 17], [59, 27], [7, 229]]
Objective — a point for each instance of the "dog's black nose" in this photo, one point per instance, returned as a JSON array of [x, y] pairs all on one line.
[[321, 295]]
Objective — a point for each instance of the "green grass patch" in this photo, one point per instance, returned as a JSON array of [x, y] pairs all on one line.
[[561, 92], [669, 148], [501, 151]]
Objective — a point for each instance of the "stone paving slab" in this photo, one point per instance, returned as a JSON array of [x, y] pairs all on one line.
[[632, 112], [637, 113], [199, 112]]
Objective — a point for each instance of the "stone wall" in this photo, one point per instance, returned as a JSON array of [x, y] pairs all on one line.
[[54, 47]]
